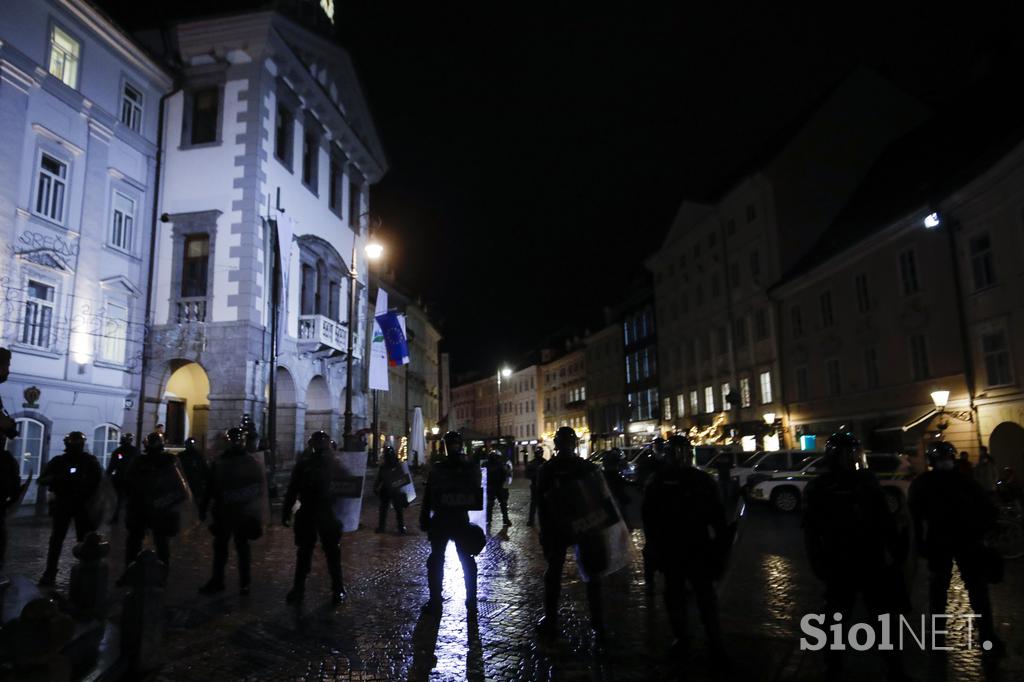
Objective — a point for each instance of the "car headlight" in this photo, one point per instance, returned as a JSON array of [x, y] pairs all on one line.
[[757, 492]]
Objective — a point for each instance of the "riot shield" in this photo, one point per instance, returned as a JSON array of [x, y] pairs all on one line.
[[400, 485], [348, 470], [582, 504], [478, 512], [170, 504], [601, 537], [243, 507]]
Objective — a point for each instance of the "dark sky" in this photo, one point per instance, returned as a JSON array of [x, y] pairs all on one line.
[[538, 153]]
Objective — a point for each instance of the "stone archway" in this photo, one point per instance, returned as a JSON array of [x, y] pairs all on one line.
[[1006, 445], [319, 410], [290, 421], [185, 403]]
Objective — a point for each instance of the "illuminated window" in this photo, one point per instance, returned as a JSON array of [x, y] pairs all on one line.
[[694, 403], [64, 53], [666, 409], [115, 332], [37, 326], [709, 399], [680, 405], [105, 440], [744, 392], [766, 387], [726, 405]]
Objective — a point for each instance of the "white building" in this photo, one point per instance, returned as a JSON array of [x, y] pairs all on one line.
[[78, 127]]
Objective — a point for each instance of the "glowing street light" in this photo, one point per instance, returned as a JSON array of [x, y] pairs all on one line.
[[769, 418], [374, 250], [941, 399]]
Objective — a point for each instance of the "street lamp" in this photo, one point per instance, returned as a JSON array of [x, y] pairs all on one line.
[[941, 399], [373, 250], [503, 372], [769, 418]]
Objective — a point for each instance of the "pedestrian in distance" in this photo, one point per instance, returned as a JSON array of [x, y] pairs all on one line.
[[532, 472], [453, 489], [952, 515], [853, 542], [236, 492], [117, 470], [193, 466], [499, 478], [687, 541], [391, 477], [985, 473], [964, 465], [310, 485], [73, 480]]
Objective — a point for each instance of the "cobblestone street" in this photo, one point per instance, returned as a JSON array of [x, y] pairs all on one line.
[[378, 634]]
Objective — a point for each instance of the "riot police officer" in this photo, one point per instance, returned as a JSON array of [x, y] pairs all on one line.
[[684, 527], [310, 484], [555, 539], [951, 516], [852, 539], [117, 468], [156, 492], [390, 479], [532, 472], [72, 479], [499, 477], [193, 466], [453, 488], [235, 489]]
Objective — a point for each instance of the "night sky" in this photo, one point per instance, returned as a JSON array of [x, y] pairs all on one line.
[[538, 153]]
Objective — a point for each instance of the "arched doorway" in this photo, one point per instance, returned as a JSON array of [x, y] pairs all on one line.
[[288, 425], [318, 406], [185, 404], [1006, 445]]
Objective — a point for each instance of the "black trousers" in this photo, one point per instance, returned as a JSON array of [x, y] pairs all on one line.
[[391, 501], [122, 496], [501, 494], [435, 564], [135, 538], [940, 569], [221, 537], [62, 519], [533, 504], [840, 597], [554, 554], [707, 604], [307, 531]]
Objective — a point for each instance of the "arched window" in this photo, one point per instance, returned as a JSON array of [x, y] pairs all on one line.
[[27, 448], [105, 439]]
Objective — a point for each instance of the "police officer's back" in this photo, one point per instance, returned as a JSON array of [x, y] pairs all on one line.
[[193, 466]]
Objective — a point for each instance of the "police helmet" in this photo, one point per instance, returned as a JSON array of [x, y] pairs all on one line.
[[75, 441], [319, 441], [941, 455], [236, 435], [538, 450], [389, 454], [154, 442], [566, 439], [127, 438], [844, 453], [453, 443], [680, 450]]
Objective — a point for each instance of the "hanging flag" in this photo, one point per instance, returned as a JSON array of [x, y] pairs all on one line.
[[378, 349], [393, 327]]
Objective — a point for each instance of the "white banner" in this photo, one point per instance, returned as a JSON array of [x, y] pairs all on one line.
[[378, 350], [417, 441]]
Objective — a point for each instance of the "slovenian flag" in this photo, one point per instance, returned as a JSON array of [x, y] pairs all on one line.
[[391, 325]]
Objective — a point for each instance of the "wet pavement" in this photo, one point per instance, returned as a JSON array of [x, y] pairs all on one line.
[[379, 634]]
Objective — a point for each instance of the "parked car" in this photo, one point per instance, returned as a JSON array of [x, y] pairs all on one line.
[[761, 466], [785, 489]]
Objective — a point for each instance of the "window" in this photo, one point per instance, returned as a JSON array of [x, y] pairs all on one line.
[[310, 160], [726, 405], [334, 188], [801, 383], [694, 403], [871, 368], [832, 376], [27, 448], [751, 213], [709, 399], [826, 309], [38, 323], [766, 387], [131, 108], [908, 272], [51, 188], [860, 283], [919, 357], [205, 106], [195, 265], [997, 359], [354, 203], [64, 54], [666, 409], [626, 333], [798, 322], [104, 441], [283, 134], [739, 332], [122, 222], [755, 265], [680, 405], [115, 332], [981, 261], [744, 392], [761, 325]]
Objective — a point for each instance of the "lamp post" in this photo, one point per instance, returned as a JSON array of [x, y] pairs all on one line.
[[373, 251], [503, 372]]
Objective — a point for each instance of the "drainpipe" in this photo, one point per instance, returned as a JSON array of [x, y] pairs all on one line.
[[961, 312]]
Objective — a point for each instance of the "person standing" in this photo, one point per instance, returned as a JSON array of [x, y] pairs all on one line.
[[193, 466], [10, 470], [499, 477], [951, 516], [117, 468], [453, 488], [72, 479], [235, 491], [985, 473], [853, 541], [388, 486], [964, 465], [684, 527], [532, 472], [310, 485]]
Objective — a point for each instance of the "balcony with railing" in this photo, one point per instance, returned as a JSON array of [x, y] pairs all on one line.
[[317, 332], [191, 310]]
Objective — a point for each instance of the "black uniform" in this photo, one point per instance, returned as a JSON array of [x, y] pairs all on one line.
[[498, 471], [235, 489], [73, 479], [532, 473], [680, 505], [10, 488], [193, 466], [117, 469], [155, 494], [310, 484], [951, 515], [453, 487], [554, 542], [388, 486]]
